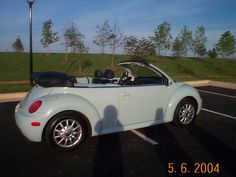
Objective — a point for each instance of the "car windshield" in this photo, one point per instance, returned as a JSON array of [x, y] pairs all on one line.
[[141, 71]]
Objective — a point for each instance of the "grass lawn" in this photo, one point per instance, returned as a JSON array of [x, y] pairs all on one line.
[[14, 67]]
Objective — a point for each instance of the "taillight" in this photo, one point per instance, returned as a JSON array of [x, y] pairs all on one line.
[[35, 106]]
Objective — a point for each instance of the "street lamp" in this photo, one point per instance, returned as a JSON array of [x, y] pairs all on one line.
[[30, 2]]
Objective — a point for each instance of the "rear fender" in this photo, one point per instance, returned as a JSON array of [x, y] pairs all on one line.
[[57, 103]]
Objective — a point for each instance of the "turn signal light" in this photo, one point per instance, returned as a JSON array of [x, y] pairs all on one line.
[[35, 106]]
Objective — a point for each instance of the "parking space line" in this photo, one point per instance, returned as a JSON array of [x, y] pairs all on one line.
[[153, 142], [220, 94], [218, 113]]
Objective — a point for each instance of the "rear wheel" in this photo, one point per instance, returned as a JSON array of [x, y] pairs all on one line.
[[65, 132], [185, 112]]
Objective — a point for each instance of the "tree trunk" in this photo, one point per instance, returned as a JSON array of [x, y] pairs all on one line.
[[66, 56], [113, 54]]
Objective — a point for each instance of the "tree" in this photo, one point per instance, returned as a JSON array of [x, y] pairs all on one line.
[[103, 33], [226, 44], [178, 47], [131, 44], [186, 39], [83, 64], [73, 39], [199, 42], [81, 48], [18, 45], [145, 47], [139, 47], [115, 40], [212, 53], [48, 36], [162, 37]]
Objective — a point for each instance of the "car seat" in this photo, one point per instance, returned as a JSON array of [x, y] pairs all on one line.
[[98, 75]]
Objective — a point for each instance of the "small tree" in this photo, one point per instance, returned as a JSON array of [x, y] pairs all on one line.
[[81, 48], [139, 47], [186, 39], [73, 39], [178, 47], [162, 37], [115, 40], [226, 44], [199, 42], [212, 53], [103, 33], [18, 45], [145, 47], [48, 36], [83, 64], [131, 44]]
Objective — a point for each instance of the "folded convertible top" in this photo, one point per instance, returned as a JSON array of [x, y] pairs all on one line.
[[53, 79]]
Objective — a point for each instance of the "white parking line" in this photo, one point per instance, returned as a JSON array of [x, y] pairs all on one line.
[[153, 142], [218, 113], [220, 94]]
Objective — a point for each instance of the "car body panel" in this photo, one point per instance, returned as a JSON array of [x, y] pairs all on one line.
[[149, 98]]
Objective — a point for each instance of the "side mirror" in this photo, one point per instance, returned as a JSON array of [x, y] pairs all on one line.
[[167, 82]]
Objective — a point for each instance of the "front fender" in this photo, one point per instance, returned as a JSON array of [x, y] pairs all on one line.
[[181, 92]]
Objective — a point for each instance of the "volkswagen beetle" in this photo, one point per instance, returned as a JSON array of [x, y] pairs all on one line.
[[63, 110]]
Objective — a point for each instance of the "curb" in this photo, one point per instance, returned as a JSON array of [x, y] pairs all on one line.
[[212, 83], [199, 83], [11, 97]]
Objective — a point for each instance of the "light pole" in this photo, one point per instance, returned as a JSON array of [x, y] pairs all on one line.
[[30, 2]]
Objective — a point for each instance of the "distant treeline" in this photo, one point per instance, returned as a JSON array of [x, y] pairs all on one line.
[[161, 43]]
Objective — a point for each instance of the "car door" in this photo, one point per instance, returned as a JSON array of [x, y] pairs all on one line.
[[144, 103]]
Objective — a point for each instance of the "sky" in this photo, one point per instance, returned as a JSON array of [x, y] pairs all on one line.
[[134, 17]]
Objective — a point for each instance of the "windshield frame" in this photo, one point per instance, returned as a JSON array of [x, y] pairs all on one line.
[[158, 72]]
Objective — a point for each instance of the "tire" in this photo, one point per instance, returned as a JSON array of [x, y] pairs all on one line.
[[65, 131], [185, 112]]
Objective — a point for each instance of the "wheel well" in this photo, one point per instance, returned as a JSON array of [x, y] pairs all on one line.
[[192, 98], [77, 114]]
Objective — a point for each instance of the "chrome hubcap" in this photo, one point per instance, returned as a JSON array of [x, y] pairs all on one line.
[[186, 113], [67, 133]]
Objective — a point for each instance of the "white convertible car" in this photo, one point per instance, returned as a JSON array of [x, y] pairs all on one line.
[[63, 110]]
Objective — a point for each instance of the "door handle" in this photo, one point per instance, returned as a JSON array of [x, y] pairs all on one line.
[[124, 94]]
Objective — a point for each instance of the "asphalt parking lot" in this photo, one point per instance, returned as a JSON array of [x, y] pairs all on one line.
[[208, 148]]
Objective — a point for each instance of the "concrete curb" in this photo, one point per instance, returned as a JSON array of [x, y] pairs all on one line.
[[199, 83], [10, 97], [212, 83]]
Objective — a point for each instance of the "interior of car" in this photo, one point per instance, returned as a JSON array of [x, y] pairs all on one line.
[[126, 78]]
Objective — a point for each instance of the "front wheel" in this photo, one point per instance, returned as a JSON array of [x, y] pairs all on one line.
[[65, 132], [185, 112]]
